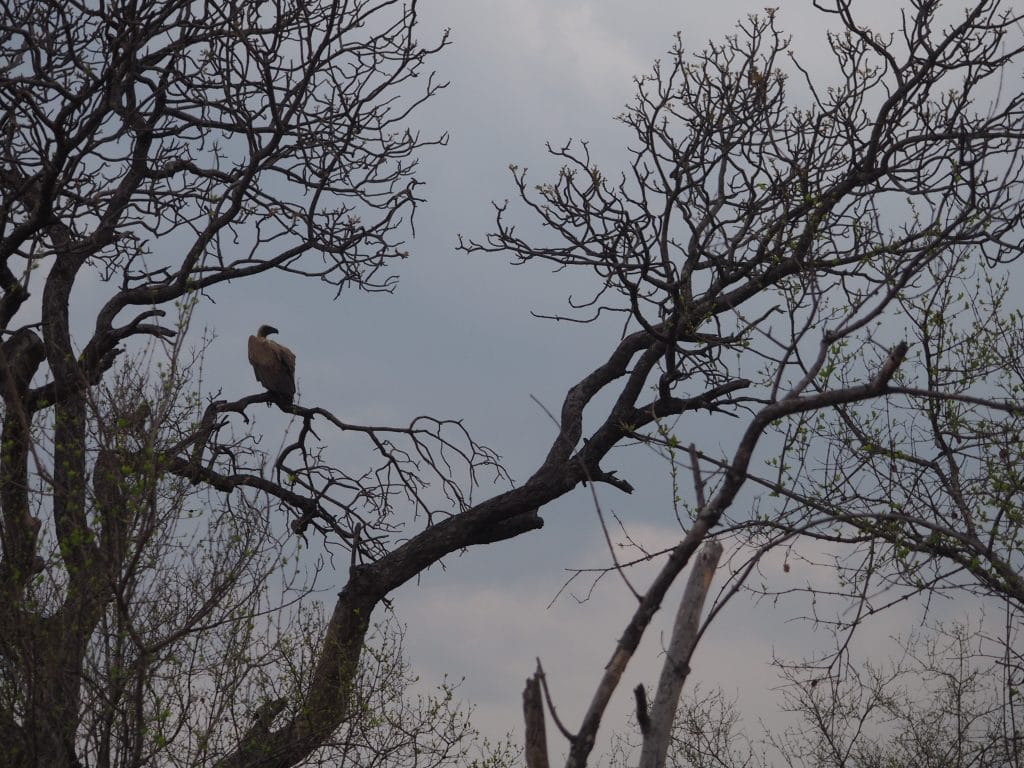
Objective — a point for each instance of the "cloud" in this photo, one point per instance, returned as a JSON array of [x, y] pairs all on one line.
[[579, 51]]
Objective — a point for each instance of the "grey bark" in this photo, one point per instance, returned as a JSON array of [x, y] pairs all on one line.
[[677, 657]]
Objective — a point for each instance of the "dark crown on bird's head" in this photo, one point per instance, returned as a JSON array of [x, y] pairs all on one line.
[[266, 330]]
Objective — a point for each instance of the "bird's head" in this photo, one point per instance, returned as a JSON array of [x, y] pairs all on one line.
[[266, 330]]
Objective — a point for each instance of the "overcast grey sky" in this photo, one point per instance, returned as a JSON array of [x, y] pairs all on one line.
[[457, 340]]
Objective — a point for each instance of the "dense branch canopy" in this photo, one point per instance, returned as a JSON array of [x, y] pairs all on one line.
[[782, 251]]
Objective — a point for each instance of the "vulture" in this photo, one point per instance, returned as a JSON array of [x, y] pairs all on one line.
[[274, 365]]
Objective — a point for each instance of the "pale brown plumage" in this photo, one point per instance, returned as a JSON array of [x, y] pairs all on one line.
[[273, 364], [758, 82]]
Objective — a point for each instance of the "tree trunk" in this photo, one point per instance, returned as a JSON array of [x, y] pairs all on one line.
[[677, 657]]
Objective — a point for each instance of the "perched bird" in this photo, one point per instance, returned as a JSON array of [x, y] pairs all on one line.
[[758, 83], [273, 364]]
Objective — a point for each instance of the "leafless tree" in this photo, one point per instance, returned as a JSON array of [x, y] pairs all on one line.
[[811, 257], [941, 700], [159, 150], [766, 226]]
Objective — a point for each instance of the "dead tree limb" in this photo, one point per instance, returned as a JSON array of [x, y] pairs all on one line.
[[533, 712], [677, 657]]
